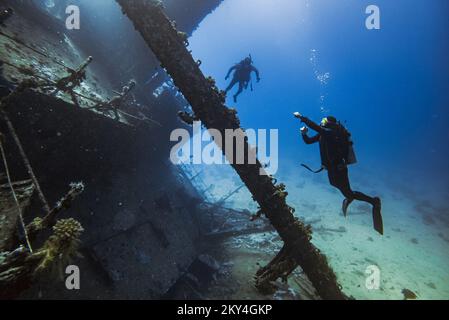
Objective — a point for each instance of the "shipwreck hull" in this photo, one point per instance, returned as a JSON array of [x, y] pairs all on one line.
[[134, 247], [138, 211]]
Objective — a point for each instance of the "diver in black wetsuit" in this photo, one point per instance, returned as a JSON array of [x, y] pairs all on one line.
[[242, 75], [336, 154]]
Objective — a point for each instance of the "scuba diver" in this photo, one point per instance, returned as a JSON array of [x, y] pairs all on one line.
[[242, 76], [336, 150]]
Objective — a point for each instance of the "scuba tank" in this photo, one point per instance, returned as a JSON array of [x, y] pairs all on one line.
[[346, 145], [338, 148]]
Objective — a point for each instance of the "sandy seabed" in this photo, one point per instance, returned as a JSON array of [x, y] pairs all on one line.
[[412, 254]]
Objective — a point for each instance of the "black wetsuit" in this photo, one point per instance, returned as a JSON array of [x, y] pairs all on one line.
[[242, 76], [333, 159]]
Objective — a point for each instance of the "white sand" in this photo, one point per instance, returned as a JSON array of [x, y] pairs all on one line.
[[422, 267]]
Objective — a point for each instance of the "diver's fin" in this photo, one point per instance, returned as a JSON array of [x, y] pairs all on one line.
[[377, 217], [344, 207]]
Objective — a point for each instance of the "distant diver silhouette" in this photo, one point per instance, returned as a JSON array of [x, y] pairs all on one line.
[[336, 151], [242, 75]]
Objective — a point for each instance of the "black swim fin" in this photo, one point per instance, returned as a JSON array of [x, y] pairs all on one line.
[[377, 216], [344, 207]]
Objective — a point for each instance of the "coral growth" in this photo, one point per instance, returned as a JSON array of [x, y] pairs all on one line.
[[61, 247]]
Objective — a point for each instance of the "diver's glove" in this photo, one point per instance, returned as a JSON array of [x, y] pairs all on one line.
[[227, 77], [258, 79], [304, 130]]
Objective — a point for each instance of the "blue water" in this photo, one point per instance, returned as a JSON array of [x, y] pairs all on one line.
[[391, 86]]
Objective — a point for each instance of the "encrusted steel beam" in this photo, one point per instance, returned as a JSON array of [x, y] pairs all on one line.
[[208, 103]]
